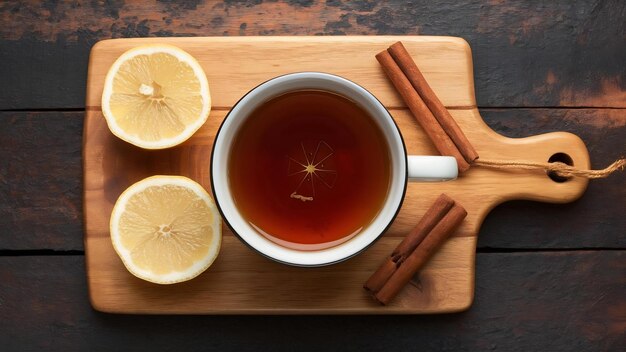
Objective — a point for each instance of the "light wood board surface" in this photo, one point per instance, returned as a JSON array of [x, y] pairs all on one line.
[[241, 281]]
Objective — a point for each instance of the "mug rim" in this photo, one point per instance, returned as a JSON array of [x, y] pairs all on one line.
[[402, 157]]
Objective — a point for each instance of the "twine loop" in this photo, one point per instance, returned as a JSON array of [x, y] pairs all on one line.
[[557, 167]]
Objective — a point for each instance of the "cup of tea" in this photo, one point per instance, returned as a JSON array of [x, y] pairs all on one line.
[[309, 169]]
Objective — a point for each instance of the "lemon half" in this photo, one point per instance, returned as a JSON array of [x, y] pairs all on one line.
[[166, 229], [155, 96]]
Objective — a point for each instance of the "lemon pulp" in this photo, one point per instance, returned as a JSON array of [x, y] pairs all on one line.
[[155, 96], [166, 229]]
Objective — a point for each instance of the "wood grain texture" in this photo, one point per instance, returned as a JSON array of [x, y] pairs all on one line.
[[40, 180], [561, 301], [40, 185], [236, 65], [242, 282], [533, 54], [555, 53]]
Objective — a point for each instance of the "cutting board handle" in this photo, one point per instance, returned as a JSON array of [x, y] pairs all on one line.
[[538, 185]]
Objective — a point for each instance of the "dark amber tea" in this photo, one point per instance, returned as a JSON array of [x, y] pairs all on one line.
[[309, 169]]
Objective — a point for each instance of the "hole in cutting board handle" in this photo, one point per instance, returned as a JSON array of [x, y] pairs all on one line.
[[561, 157]]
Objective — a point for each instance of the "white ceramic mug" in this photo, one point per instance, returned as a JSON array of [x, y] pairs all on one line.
[[403, 168]]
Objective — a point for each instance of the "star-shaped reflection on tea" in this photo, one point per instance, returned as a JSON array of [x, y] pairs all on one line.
[[312, 167]]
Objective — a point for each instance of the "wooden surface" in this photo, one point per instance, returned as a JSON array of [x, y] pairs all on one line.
[[240, 281], [556, 53], [520, 299], [548, 277]]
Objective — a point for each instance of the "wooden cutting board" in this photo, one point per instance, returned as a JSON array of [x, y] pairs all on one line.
[[243, 282]]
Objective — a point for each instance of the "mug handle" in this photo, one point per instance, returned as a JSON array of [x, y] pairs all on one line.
[[431, 168]]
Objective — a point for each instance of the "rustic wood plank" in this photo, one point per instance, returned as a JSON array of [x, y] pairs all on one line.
[[562, 301], [40, 199], [565, 54], [41, 180]]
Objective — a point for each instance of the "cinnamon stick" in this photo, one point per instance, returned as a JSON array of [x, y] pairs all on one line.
[[420, 111], [397, 271], [403, 59], [433, 216]]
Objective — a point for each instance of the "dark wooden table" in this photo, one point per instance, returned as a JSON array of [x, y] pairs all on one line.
[[549, 277]]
